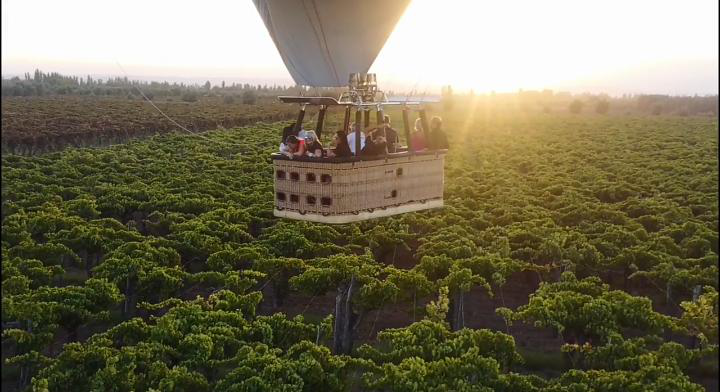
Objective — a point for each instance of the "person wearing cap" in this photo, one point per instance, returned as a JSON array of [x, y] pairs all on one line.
[[313, 147]]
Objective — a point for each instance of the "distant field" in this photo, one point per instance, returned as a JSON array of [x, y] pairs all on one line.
[[580, 228], [37, 124]]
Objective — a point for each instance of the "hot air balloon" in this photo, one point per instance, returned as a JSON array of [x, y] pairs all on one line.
[[333, 43]]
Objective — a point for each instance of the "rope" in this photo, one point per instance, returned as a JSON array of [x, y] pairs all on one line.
[[502, 298], [377, 315], [375, 322], [268, 281], [170, 119], [308, 305]]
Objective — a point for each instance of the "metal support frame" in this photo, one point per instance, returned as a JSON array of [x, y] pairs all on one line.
[[346, 120], [358, 122], [380, 117], [301, 116], [320, 121], [426, 127], [406, 125]]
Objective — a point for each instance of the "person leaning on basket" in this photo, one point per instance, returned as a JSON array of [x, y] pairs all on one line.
[[290, 130], [293, 147], [313, 147]]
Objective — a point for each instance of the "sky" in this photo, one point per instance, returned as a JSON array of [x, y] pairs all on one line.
[[610, 46]]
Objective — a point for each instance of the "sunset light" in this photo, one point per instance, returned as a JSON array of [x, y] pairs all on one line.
[[613, 46], [359, 195], [507, 45]]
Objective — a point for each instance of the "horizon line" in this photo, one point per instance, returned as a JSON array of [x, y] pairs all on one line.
[[282, 82]]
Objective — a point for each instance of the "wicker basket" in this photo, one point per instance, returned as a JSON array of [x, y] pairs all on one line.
[[348, 190]]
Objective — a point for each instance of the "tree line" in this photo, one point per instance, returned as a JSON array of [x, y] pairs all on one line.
[[48, 84], [551, 102]]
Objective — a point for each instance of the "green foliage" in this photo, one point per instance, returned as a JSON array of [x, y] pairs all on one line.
[[650, 378], [426, 355], [634, 354], [325, 274], [700, 318], [437, 310], [587, 311], [197, 345], [615, 202]]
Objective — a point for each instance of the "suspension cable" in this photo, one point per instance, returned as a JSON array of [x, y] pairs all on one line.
[[168, 117]]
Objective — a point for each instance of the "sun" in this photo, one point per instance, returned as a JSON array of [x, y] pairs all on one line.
[[515, 44], [472, 45]]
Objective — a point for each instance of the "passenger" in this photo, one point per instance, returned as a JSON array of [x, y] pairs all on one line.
[[393, 141], [293, 147], [341, 148], [438, 139], [302, 133], [351, 138], [287, 131], [312, 145], [376, 145], [290, 130], [418, 137]]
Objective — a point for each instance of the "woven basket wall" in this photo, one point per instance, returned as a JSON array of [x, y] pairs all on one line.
[[351, 187]]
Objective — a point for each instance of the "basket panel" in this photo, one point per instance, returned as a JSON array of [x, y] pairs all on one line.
[[358, 186]]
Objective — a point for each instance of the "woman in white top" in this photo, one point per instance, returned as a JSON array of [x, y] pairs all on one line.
[[351, 138]]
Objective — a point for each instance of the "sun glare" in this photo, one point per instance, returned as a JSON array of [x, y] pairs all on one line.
[[504, 46], [651, 45]]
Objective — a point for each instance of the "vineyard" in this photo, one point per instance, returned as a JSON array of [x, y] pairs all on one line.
[[574, 253], [32, 125]]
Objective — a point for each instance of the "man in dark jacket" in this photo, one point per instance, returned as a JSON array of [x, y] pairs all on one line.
[[391, 135], [438, 139], [375, 145]]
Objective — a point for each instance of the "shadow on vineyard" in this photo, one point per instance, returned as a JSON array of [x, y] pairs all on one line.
[[574, 252]]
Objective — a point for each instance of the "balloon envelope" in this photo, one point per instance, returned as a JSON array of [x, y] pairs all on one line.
[[323, 41]]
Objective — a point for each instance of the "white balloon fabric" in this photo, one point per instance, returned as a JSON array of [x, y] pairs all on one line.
[[323, 41]]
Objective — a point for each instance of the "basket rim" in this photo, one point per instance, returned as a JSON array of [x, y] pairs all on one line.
[[280, 157]]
